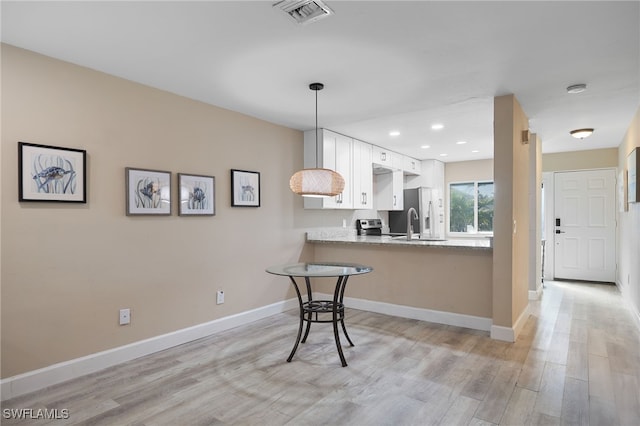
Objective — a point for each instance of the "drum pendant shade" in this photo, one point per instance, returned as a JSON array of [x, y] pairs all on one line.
[[316, 182]]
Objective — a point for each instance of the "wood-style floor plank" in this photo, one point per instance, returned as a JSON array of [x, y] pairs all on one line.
[[576, 362]]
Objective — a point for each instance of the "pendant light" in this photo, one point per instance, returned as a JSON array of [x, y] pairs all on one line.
[[316, 182]]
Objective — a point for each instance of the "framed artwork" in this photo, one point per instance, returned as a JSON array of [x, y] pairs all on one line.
[[245, 188], [148, 192], [50, 173], [197, 195]]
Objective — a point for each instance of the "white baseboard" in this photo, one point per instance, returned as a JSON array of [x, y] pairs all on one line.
[[510, 334], [440, 317], [535, 294], [627, 299], [31, 381], [21, 384]]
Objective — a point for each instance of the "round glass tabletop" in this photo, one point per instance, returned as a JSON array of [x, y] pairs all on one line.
[[319, 269]]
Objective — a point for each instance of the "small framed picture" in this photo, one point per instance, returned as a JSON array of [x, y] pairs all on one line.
[[197, 195], [245, 188], [50, 173], [148, 192]]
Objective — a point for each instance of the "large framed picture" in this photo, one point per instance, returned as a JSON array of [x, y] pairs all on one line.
[[50, 173], [197, 195], [245, 188], [148, 192]]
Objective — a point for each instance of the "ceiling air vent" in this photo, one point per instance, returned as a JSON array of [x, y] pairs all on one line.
[[304, 11]]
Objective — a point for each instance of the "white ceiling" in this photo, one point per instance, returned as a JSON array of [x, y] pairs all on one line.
[[386, 65]]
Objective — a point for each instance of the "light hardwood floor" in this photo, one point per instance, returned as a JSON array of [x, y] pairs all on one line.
[[577, 361]]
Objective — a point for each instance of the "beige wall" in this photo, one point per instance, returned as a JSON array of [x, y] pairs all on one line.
[[68, 268], [465, 171], [578, 160], [460, 278], [511, 217], [629, 227]]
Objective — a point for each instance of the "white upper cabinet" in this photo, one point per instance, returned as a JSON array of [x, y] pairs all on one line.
[[432, 175], [333, 151], [382, 157], [362, 175], [389, 189], [411, 166]]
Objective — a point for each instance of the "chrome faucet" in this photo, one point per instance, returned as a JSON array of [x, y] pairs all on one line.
[[409, 219]]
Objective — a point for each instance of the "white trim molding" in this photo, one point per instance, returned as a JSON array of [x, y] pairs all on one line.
[[402, 311], [535, 295], [510, 334], [31, 381]]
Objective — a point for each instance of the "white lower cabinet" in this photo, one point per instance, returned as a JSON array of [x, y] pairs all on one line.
[[389, 191]]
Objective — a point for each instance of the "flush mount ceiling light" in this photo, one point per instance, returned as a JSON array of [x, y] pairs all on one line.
[[316, 182], [304, 11], [576, 88], [437, 126], [394, 133], [581, 133]]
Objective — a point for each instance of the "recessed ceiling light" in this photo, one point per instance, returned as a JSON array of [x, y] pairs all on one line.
[[461, 142], [394, 133], [443, 155], [581, 133], [577, 88], [425, 146], [475, 150], [437, 126]]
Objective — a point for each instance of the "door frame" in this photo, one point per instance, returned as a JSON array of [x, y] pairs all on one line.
[[548, 179]]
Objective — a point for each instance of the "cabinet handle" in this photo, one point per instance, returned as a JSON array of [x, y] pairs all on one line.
[[413, 165], [364, 196], [394, 200], [383, 156]]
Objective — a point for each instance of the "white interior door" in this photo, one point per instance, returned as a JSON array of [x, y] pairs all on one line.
[[585, 225]]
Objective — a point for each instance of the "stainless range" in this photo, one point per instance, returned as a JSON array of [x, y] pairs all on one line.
[[369, 226]]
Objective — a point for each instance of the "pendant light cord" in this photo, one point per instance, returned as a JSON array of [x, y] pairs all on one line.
[[316, 90]]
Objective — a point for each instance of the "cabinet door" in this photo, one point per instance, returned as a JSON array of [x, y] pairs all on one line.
[[397, 201], [343, 165], [390, 191], [411, 166], [362, 175], [382, 156]]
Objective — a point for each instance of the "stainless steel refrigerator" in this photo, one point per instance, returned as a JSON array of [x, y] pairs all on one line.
[[429, 204]]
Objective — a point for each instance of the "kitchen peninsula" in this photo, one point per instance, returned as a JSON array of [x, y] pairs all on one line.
[[448, 282]]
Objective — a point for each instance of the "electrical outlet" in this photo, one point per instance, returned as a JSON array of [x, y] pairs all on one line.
[[125, 316], [219, 297]]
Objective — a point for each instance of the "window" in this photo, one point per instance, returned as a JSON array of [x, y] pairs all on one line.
[[471, 207]]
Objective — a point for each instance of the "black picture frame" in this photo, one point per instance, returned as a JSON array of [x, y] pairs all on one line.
[[51, 173], [245, 188]]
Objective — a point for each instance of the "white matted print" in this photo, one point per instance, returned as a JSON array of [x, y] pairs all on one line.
[[148, 192], [49, 173], [245, 188], [197, 195]]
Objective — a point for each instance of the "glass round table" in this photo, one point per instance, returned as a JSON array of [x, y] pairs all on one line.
[[322, 311]]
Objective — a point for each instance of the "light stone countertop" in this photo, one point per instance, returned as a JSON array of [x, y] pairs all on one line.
[[350, 237]]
